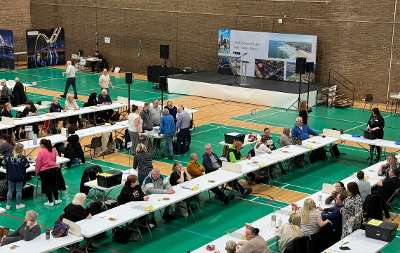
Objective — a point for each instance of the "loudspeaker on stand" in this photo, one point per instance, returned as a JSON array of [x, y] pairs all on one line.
[[301, 65], [128, 77], [164, 51]]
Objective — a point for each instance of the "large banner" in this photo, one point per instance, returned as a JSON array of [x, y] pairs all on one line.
[[6, 49], [45, 47], [269, 55]]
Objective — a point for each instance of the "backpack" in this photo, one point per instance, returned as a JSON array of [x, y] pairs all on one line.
[[52, 128], [127, 137], [115, 117], [119, 144], [121, 234]]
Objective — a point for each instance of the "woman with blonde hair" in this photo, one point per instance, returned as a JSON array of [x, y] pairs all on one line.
[[289, 231], [234, 154], [70, 104], [311, 220], [16, 165], [142, 162], [304, 111], [4, 91]]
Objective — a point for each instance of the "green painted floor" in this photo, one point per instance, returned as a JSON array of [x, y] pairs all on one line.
[[217, 218]]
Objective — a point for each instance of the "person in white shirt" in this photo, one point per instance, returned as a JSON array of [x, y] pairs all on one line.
[[289, 231], [135, 127], [70, 104], [104, 81], [70, 73]]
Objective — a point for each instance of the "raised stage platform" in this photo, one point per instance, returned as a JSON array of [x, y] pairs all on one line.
[[209, 84]]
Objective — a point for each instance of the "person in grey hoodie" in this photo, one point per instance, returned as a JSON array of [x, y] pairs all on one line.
[[155, 183]]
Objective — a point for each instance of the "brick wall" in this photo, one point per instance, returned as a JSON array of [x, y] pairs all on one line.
[[15, 15], [358, 50]]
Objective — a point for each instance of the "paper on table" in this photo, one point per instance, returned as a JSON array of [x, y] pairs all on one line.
[[94, 182], [374, 222]]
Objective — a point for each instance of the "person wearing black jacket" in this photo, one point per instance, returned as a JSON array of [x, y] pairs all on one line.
[[7, 113], [376, 123], [31, 110], [56, 107], [19, 96], [373, 206], [131, 191], [387, 187], [304, 111], [71, 148]]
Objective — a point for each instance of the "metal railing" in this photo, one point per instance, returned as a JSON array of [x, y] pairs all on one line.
[[338, 79]]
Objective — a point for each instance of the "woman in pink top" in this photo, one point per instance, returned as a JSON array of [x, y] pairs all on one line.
[[46, 167]]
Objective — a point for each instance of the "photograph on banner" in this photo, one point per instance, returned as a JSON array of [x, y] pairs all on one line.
[[45, 47], [6, 49], [269, 69], [291, 46], [292, 76], [224, 41]]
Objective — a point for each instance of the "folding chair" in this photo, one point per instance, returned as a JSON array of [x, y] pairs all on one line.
[[95, 143], [391, 201]]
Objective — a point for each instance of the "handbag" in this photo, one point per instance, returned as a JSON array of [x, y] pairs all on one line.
[[368, 134], [297, 141], [4, 231], [120, 235], [60, 229]]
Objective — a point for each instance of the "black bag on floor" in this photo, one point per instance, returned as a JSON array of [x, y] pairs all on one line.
[[119, 144], [318, 154], [3, 189], [334, 150], [121, 234], [27, 191]]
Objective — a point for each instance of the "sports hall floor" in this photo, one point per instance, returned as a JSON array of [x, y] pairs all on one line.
[[215, 117]]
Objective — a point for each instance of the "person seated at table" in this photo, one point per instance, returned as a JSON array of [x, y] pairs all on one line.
[[352, 209], [194, 168], [263, 147], [155, 183], [15, 164], [303, 131], [6, 112], [171, 108], [363, 185], [230, 247], [234, 154], [334, 214], [253, 244], [28, 231], [387, 187], [311, 220], [146, 117], [289, 231], [31, 110], [71, 148], [75, 212], [270, 144], [18, 94], [285, 139], [70, 104], [56, 107], [178, 175], [339, 186], [7, 145], [4, 91], [142, 162], [104, 99], [211, 162], [167, 128], [391, 163], [131, 191]]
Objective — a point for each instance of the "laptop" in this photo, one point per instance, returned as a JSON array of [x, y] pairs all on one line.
[[327, 188]]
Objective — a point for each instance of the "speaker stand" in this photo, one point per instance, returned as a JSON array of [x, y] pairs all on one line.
[[298, 98]]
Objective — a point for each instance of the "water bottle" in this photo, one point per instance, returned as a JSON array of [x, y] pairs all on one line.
[[273, 219], [47, 234], [349, 228]]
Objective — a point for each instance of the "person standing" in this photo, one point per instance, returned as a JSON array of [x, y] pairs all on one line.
[[46, 167], [167, 128], [99, 62], [135, 127], [146, 117], [352, 210], [182, 127], [16, 165], [376, 123], [70, 73], [104, 81], [19, 96], [155, 112], [4, 91], [304, 111]]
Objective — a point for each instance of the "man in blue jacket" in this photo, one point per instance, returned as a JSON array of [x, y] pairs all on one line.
[[211, 163], [335, 216], [303, 131]]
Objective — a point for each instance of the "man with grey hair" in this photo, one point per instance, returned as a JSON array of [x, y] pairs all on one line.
[[70, 73], [104, 99], [155, 183], [155, 112], [167, 128], [182, 127], [18, 94], [146, 117], [303, 131]]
